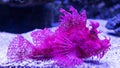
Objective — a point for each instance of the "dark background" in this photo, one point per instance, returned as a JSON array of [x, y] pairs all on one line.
[[20, 16]]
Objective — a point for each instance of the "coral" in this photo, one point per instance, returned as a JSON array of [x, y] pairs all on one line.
[[114, 24], [71, 42]]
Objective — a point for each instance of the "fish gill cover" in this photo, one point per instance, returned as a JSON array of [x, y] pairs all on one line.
[[71, 42]]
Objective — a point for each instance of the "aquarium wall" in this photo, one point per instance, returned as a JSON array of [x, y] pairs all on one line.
[[20, 16]]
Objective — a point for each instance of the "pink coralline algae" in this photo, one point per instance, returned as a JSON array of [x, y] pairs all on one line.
[[71, 42]]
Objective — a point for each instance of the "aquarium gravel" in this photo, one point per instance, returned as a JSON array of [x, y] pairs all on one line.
[[110, 60]]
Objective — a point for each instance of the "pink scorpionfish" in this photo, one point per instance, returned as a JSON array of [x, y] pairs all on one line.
[[68, 45]]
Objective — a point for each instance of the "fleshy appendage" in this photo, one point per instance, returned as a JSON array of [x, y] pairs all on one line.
[[85, 40], [44, 44], [41, 49], [19, 49]]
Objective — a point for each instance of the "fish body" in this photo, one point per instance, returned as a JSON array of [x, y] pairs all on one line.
[[68, 45]]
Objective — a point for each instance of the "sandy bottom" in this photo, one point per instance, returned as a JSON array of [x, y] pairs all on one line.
[[110, 60]]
